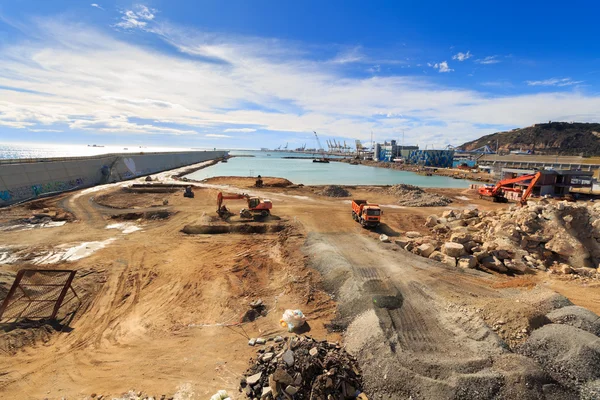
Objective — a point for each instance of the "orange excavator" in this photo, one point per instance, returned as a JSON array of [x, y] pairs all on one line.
[[256, 206], [496, 193]]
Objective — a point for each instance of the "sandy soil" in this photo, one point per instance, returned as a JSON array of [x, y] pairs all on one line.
[[157, 298]]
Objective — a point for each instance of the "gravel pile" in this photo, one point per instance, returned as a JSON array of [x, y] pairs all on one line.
[[300, 367], [334, 191], [414, 196], [578, 317], [569, 355]]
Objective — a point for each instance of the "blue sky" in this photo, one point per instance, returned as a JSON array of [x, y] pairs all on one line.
[[250, 74]]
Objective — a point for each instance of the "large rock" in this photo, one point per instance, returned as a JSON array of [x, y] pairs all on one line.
[[425, 249], [569, 355], [467, 262], [515, 266], [491, 262], [448, 214], [457, 223], [413, 234], [453, 249], [431, 221], [461, 237], [578, 317], [441, 228]]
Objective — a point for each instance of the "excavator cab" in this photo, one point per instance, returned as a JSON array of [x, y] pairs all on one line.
[[253, 202]]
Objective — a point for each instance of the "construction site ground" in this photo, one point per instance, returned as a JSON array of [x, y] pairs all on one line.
[[162, 309]]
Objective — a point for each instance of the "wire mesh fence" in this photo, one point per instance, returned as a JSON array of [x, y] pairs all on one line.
[[39, 295]]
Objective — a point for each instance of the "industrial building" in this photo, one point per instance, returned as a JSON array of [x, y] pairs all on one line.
[[552, 182], [387, 151]]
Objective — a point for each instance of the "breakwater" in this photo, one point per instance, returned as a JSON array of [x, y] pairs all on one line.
[[24, 179]]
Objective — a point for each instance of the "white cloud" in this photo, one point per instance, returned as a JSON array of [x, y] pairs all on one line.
[[98, 82], [441, 67], [137, 17], [96, 6], [239, 130], [462, 56], [214, 135], [488, 60], [554, 82]]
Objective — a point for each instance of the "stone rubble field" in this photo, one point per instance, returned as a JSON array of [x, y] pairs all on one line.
[[560, 238]]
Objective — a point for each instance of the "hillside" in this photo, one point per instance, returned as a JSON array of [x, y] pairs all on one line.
[[562, 138]]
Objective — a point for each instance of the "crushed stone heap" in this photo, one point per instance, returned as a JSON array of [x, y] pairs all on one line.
[[414, 196], [334, 191], [299, 367]]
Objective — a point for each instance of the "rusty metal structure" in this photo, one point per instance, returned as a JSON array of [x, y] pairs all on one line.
[[38, 295]]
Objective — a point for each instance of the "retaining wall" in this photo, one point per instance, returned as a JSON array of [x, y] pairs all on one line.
[[27, 179]]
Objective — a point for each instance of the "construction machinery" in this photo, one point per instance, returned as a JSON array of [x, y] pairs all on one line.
[[496, 193], [368, 215], [323, 159], [256, 206]]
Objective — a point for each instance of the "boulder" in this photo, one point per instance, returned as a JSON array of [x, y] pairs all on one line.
[[502, 254], [457, 223], [431, 221], [441, 228], [437, 256], [448, 214], [461, 237], [470, 245], [493, 263], [453, 249], [467, 262], [402, 241], [515, 265], [413, 234], [425, 249]]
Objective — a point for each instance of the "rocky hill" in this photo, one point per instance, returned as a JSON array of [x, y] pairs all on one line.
[[562, 138]]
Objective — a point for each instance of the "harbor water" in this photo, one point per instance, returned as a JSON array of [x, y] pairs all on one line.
[[308, 173]]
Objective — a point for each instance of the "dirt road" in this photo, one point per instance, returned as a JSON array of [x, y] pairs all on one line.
[[156, 300]]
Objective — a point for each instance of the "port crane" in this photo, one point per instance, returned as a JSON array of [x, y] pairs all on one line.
[[496, 193], [323, 159]]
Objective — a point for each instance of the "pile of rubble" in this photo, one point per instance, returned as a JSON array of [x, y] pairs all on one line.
[[414, 196], [334, 191], [299, 367], [559, 237]]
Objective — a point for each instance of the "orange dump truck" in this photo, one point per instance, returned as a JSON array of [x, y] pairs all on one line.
[[368, 215]]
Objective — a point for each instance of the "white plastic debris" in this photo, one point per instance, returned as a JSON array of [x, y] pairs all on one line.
[[292, 319], [220, 395]]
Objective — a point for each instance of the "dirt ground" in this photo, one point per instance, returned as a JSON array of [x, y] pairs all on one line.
[[162, 308]]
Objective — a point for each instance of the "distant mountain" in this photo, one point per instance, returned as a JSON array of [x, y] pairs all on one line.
[[562, 138]]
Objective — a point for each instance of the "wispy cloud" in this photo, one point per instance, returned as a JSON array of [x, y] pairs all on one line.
[[97, 6], [462, 56], [554, 82], [246, 130], [488, 60], [441, 67], [137, 17], [102, 83]]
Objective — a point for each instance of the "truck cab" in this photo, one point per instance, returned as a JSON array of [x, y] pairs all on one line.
[[368, 215]]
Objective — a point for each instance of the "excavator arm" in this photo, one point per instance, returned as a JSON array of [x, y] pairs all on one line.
[[533, 177], [221, 197], [527, 193]]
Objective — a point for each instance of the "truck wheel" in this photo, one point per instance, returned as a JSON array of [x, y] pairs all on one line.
[[264, 213]]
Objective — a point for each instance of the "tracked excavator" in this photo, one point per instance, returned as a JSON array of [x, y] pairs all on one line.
[[256, 206], [496, 193]]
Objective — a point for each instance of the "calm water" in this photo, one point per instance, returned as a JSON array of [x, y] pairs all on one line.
[[36, 150], [309, 173]]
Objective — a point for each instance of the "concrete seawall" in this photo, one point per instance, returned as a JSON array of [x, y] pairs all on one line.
[[22, 180]]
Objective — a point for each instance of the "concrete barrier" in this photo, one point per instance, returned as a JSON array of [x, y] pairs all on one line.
[[22, 180]]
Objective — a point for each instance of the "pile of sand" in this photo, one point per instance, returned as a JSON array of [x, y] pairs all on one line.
[[414, 196], [334, 191]]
